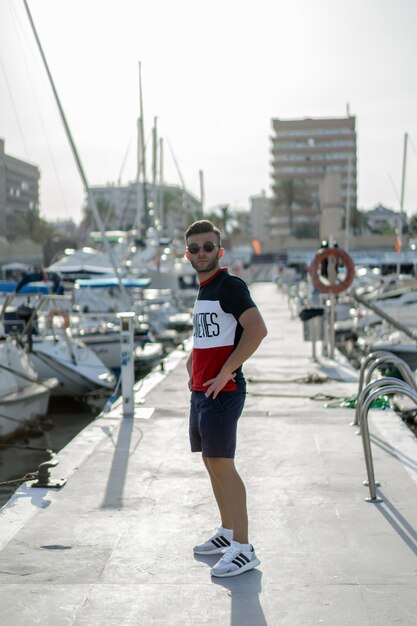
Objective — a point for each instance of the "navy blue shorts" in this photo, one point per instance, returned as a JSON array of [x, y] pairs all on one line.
[[213, 423]]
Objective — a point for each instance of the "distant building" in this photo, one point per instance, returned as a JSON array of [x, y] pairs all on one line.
[[380, 219], [19, 191], [260, 217], [303, 151], [168, 205]]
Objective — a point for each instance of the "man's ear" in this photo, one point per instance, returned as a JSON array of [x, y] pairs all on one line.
[[187, 254], [221, 252]]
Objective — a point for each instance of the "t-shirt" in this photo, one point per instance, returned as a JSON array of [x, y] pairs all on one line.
[[221, 300]]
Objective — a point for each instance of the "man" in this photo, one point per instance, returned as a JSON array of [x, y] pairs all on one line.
[[228, 328]]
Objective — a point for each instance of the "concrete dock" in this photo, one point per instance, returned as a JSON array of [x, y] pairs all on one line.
[[113, 547]]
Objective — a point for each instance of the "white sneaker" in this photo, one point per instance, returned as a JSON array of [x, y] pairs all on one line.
[[234, 561], [215, 545]]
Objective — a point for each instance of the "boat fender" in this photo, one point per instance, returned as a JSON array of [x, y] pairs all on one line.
[[59, 313], [341, 258]]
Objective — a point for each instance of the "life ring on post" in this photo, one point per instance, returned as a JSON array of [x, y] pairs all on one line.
[[339, 255], [58, 313]]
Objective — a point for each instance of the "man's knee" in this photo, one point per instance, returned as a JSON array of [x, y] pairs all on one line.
[[219, 466]]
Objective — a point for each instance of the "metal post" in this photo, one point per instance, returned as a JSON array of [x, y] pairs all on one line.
[[127, 362], [363, 422], [331, 326], [313, 329], [374, 360]]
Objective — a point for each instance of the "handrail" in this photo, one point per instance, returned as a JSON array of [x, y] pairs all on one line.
[[400, 387], [371, 386], [401, 365], [410, 332], [378, 357], [371, 357]]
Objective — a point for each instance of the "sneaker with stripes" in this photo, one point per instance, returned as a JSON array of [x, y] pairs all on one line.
[[216, 544], [235, 561]]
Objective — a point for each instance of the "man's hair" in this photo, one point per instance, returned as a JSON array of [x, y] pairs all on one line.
[[202, 226]]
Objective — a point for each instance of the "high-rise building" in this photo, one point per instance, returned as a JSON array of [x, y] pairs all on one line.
[[19, 191], [303, 151]]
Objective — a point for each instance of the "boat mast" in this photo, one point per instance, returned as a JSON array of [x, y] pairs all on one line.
[[142, 159], [202, 192], [161, 182], [90, 196], [155, 220], [401, 224]]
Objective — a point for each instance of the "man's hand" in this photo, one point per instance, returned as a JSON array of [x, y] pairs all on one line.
[[215, 385]]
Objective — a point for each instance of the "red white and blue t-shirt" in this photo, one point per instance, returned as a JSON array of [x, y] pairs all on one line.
[[221, 300]]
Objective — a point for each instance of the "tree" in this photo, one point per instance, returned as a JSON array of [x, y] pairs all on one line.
[[412, 226], [308, 230], [31, 225], [225, 219], [358, 222], [105, 210], [288, 193]]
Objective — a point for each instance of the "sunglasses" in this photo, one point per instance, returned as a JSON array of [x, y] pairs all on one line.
[[208, 246]]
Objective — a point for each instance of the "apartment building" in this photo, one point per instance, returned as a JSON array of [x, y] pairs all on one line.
[[303, 151], [19, 191]]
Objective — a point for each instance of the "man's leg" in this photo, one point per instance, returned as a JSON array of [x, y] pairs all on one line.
[[225, 515], [230, 494]]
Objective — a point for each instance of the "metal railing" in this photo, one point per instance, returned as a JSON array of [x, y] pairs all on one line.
[[399, 387], [370, 387], [375, 360], [410, 332]]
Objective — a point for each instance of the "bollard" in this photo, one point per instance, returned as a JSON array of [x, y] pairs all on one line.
[[127, 362]]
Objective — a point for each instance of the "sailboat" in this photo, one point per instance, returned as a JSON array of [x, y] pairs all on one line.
[[24, 397]]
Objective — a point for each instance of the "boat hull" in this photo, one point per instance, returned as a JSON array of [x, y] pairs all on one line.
[[20, 408]]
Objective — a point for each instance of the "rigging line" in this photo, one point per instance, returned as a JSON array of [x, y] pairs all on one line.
[[119, 179], [394, 188], [412, 145], [48, 144], [23, 375], [175, 163], [15, 110], [76, 156]]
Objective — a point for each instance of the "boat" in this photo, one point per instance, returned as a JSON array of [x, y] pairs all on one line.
[[78, 369], [23, 396], [54, 352]]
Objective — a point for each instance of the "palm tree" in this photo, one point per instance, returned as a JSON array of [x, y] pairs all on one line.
[[33, 226], [105, 210], [288, 193], [412, 226]]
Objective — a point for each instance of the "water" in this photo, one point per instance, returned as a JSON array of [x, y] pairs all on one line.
[[67, 418]]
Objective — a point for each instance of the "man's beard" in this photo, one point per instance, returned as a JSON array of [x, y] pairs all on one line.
[[208, 267]]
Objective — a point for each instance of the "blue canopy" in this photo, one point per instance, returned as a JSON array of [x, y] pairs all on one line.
[[112, 281]]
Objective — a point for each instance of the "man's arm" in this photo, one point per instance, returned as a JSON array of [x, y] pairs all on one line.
[[189, 366], [254, 330]]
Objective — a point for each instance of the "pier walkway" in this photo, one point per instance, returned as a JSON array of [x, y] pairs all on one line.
[[114, 546]]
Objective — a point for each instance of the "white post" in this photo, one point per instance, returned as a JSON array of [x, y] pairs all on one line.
[[332, 277], [347, 214], [127, 362]]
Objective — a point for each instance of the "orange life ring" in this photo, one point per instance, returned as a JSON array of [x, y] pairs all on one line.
[[59, 313], [339, 255]]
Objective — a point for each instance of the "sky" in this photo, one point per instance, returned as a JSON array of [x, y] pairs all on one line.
[[214, 74]]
